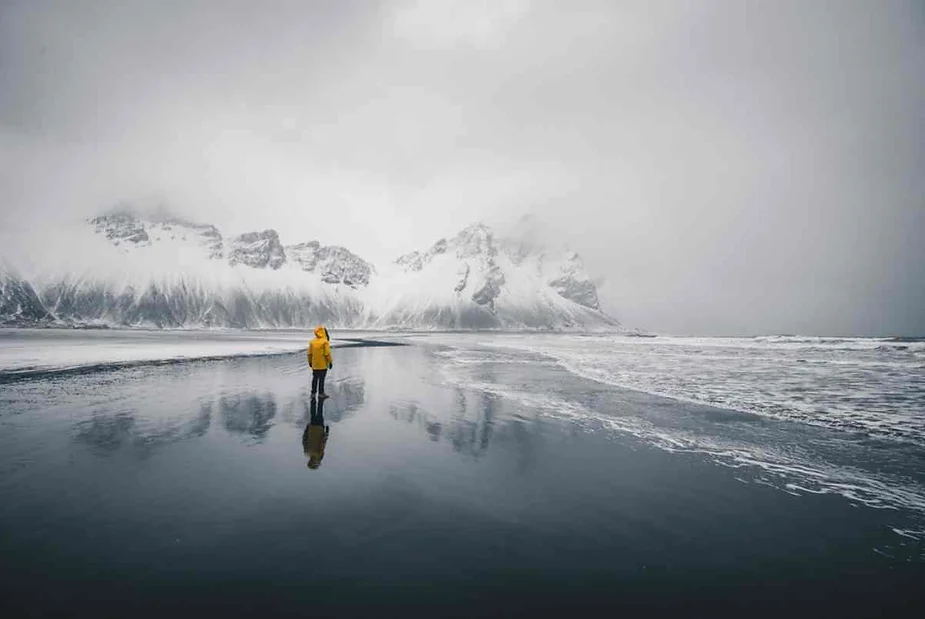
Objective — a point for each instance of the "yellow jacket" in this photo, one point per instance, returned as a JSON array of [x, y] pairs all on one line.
[[319, 351]]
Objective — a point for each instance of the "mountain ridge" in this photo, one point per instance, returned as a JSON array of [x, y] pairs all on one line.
[[162, 271]]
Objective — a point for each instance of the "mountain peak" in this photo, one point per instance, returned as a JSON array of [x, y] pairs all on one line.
[[128, 228], [573, 283], [257, 250], [475, 229], [121, 226], [335, 264], [478, 279], [475, 240]]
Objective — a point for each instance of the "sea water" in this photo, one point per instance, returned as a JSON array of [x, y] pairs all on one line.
[[466, 473]]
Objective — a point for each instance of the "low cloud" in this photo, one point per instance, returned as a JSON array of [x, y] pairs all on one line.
[[725, 167]]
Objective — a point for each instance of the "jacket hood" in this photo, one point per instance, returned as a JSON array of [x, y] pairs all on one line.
[[319, 332]]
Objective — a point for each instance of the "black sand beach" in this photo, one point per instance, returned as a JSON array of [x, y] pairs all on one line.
[[182, 488]]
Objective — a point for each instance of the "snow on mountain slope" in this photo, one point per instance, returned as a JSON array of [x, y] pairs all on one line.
[[475, 280], [172, 234], [19, 302], [128, 269]]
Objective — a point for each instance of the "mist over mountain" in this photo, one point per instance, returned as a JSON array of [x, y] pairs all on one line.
[[129, 268]]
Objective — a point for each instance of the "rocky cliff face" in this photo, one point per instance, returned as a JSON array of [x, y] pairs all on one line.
[[477, 250], [335, 264], [121, 228], [130, 230], [572, 282], [477, 274], [258, 250], [415, 261], [20, 303], [476, 279]]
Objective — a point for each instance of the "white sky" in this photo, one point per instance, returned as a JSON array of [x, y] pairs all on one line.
[[726, 166]]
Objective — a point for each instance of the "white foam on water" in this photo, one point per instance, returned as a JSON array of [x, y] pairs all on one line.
[[792, 468], [915, 535], [874, 386]]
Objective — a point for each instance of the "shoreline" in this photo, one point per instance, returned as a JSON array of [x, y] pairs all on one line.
[[22, 373], [435, 486], [777, 447]]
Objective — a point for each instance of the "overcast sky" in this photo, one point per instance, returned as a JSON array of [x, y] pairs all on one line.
[[725, 166]]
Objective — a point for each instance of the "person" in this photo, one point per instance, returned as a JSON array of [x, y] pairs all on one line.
[[315, 437], [319, 360]]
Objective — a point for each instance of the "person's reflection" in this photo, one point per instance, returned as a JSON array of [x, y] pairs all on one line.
[[315, 436]]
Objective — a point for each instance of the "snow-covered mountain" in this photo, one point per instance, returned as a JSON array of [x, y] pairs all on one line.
[[19, 302], [258, 250], [477, 280], [126, 229], [335, 264], [127, 269]]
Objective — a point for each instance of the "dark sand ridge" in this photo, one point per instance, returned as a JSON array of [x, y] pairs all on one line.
[[7, 376]]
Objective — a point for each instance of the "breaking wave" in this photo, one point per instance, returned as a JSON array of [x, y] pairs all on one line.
[[860, 385], [864, 457]]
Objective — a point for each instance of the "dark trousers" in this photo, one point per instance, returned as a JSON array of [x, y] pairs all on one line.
[[318, 381]]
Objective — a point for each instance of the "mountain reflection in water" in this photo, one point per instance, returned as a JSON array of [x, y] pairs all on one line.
[[249, 399], [458, 480]]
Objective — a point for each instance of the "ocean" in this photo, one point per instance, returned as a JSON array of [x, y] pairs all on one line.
[[146, 472]]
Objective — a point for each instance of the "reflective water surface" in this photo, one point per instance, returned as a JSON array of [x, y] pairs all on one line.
[[218, 485]]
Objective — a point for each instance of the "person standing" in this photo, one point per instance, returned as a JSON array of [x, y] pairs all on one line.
[[319, 359]]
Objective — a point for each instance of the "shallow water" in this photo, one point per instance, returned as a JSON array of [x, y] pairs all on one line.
[[874, 386], [508, 486]]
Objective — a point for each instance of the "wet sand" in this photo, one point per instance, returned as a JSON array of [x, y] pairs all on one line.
[[146, 490]]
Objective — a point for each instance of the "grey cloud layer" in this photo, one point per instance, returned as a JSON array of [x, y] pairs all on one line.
[[726, 167]]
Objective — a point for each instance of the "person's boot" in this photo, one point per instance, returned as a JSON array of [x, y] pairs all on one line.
[[324, 396]]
